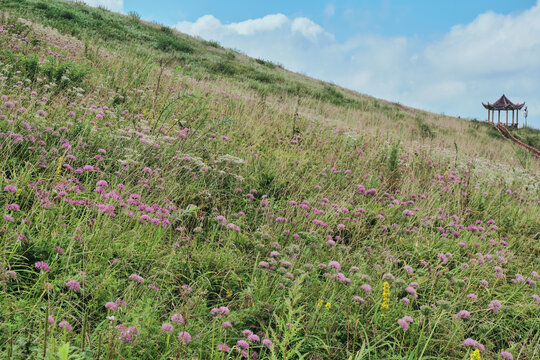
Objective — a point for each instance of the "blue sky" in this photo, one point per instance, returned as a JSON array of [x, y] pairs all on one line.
[[442, 56]]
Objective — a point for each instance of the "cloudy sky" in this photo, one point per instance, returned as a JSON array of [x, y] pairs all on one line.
[[442, 56]]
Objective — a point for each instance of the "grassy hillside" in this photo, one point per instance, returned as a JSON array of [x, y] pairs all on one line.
[[165, 198]]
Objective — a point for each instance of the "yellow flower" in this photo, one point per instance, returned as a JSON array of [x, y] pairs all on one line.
[[328, 305], [59, 168], [386, 296], [476, 355], [320, 303], [229, 292]]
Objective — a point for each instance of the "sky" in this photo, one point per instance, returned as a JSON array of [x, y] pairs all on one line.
[[442, 56]]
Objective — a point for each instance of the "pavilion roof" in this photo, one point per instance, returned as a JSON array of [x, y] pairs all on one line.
[[503, 104]]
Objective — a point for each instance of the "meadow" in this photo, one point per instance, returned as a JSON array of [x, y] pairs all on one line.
[[162, 197]]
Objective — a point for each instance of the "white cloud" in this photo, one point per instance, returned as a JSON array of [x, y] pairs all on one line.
[[113, 5], [473, 62], [329, 9]]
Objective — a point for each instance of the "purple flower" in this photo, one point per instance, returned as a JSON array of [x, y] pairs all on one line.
[[74, 285], [473, 343], [224, 348], [253, 338], [184, 337], [50, 319], [463, 314], [404, 322], [137, 278], [366, 288], [167, 328], [177, 318], [220, 312], [242, 344], [42, 265], [404, 325], [111, 305], [495, 306], [334, 265], [226, 325], [127, 335], [506, 355], [102, 183], [267, 343], [66, 326], [10, 188]]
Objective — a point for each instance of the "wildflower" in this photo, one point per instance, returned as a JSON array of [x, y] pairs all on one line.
[[386, 296], [328, 305], [177, 318], [472, 297], [66, 326], [404, 325], [220, 312], [366, 288], [495, 306], [334, 265], [473, 343], [536, 298], [267, 343], [242, 344], [9, 218], [264, 264], [320, 303], [463, 314], [42, 265], [167, 328], [111, 305], [408, 269], [506, 355], [127, 335], [12, 207], [185, 337], [226, 325], [153, 287], [50, 320], [475, 355], [59, 168], [224, 348], [412, 291], [74, 285], [253, 338], [137, 278]]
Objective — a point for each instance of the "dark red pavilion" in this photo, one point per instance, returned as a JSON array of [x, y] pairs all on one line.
[[505, 105]]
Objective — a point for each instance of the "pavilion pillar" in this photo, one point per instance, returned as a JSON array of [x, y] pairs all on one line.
[[517, 118], [506, 118], [488, 115], [512, 117], [499, 118]]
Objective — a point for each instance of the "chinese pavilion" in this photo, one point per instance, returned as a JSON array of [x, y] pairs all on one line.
[[503, 104]]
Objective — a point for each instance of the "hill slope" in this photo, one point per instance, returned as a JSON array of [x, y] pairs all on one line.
[[152, 182]]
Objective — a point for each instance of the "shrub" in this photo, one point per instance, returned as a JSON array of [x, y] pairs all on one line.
[[169, 43], [224, 67]]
